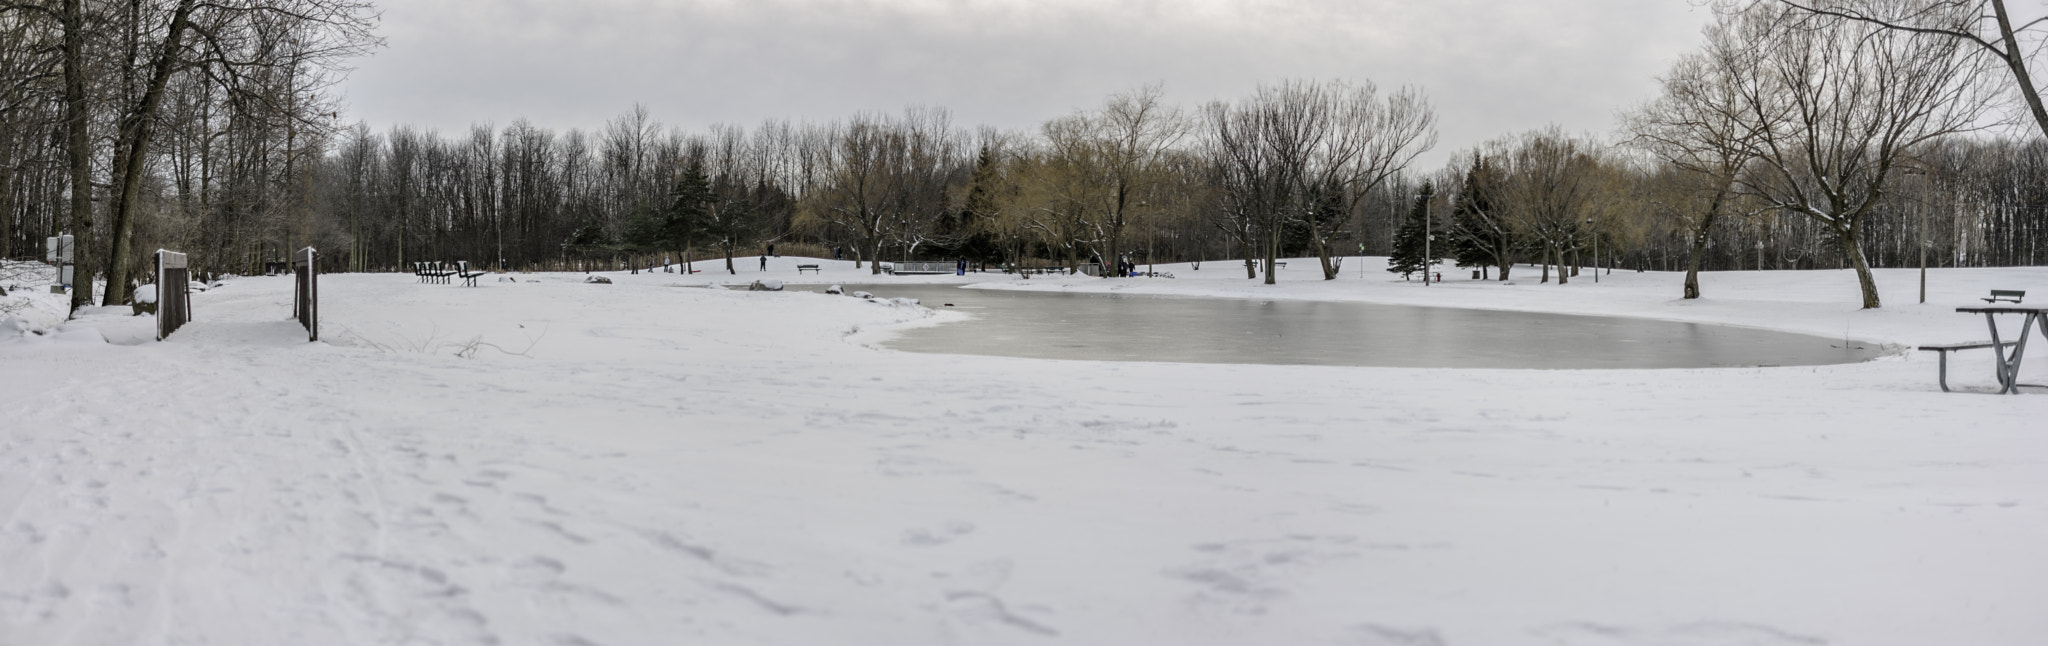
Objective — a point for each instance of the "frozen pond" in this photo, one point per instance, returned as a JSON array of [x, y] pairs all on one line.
[[1050, 325]]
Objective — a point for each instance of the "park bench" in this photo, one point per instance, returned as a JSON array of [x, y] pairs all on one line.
[[468, 277], [1945, 348], [2006, 295], [419, 271], [800, 269]]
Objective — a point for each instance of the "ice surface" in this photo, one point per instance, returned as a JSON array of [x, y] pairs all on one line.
[[547, 463]]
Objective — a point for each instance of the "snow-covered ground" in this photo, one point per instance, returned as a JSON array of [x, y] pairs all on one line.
[[646, 462]]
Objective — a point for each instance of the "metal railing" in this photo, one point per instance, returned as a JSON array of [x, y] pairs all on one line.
[[926, 266]]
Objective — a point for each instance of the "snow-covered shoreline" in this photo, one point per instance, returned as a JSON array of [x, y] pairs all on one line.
[[546, 461]]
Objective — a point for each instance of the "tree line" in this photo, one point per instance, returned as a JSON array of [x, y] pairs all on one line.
[[130, 123], [1848, 134]]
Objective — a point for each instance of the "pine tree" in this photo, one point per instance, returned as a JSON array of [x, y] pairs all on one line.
[[690, 203], [1409, 241], [587, 242], [1478, 236], [969, 228], [730, 224]]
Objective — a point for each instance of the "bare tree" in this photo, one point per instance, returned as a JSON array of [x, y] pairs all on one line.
[[1547, 183], [1289, 144], [1700, 126], [1986, 26], [1114, 157], [886, 181], [1370, 141], [236, 40], [1836, 106]]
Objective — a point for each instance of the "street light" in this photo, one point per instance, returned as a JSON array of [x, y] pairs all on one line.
[[1596, 250], [1922, 208], [1428, 236]]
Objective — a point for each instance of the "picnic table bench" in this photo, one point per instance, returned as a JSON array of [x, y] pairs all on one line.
[[468, 277], [1945, 348], [2006, 295], [800, 269], [2007, 366], [442, 272]]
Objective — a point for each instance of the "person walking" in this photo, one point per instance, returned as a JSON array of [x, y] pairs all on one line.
[[764, 263]]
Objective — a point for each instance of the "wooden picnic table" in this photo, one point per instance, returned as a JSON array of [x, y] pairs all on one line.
[[2008, 366]]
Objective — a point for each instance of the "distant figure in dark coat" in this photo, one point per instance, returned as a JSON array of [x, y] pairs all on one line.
[[764, 263]]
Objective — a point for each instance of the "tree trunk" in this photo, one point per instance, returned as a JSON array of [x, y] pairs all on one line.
[[1563, 272], [2016, 61], [1692, 264], [135, 152], [1272, 250], [1323, 253], [78, 144], [1699, 241], [1852, 248], [1546, 264], [6, 202], [874, 256]]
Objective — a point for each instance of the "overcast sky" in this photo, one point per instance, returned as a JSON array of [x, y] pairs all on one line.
[[1492, 67]]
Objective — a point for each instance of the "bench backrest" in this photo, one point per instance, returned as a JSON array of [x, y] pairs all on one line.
[[2015, 293]]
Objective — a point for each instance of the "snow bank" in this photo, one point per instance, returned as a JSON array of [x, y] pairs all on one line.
[[31, 311]]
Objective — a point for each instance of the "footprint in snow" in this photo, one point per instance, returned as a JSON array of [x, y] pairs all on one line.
[[931, 537]]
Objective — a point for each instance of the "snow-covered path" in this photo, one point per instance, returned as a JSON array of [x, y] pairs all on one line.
[[675, 465]]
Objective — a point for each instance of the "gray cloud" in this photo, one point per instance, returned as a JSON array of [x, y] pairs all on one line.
[[1491, 66]]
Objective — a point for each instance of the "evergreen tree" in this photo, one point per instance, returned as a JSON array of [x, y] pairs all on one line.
[[587, 242], [690, 204], [643, 232], [970, 227], [731, 221], [1409, 241], [1479, 237]]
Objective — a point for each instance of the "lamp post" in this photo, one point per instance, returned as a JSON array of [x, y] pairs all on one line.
[[1428, 236], [1922, 208], [1596, 250]]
